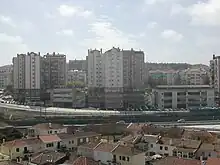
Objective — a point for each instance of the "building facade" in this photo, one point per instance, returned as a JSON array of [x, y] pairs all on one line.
[[26, 75], [77, 65], [115, 78], [76, 76], [183, 96], [68, 98], [5, 76], [215, 76], [53, 71], [194, 76]]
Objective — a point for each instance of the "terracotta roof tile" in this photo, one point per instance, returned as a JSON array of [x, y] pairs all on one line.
[[106, 147], [176, 161], [85, 161], [47, 126], [21, 142], [49, 138], [126, 150], [213, 161]]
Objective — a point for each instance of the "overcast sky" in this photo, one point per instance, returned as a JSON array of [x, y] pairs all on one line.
[[167, 30]]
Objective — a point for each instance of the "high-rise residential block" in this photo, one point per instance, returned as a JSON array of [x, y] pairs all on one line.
[[26, 75], [118, 76], [53, 71], [5, 76]]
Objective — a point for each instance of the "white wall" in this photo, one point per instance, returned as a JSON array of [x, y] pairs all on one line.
[[104, 157]]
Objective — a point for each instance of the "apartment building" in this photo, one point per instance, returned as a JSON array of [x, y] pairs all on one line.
[[115, 78], [53, 71], [183, 96], [76, 76], [194, 76], [164, 77], [95, 79], [26, 75], [77, 65], [215, 76], [5, 76]]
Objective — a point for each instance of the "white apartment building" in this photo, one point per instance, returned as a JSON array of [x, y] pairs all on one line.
[[95, 78], [194, 76], [5, 76], [113, 60], [76, 75], [26, 75], [95, 69], [116, 77], [183, 96]]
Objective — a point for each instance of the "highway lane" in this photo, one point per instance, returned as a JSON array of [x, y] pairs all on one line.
[[76, 112]]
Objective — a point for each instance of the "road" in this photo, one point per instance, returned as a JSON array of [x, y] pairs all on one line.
[[75, 112]]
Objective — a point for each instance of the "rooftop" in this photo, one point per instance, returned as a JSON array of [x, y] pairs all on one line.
[[176, 161], [126, 150], [106, 147], [21, 142], [85, 161], [47, 126], [213, 161], [181, 86], [49, 138]]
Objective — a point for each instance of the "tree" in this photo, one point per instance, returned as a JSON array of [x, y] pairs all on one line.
[[77, 84]]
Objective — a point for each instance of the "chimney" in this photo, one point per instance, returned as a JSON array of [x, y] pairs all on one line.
[[171, 142], [49, 125], [213, 56]]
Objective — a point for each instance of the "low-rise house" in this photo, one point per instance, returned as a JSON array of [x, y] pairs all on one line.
[[46, 157], [158, 145], [127, 155], [207, 150], [71, 141], [50, 142], [46, 129], [87, 149], [22, 147], [176, 161], [85, 161], [185, 148], [103, 152]]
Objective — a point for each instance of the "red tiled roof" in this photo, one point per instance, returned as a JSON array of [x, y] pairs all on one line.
[[106, 147], [21, 142], [177, 161], [213, 161], [85, 161], [49, 138]]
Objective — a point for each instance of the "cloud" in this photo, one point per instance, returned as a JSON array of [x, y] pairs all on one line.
[[10, 46], [205, 13], [66, 32], [152, 2], [7, 20], [69, 11], [152, 25], [107, 36], [172, 35], [177, 9]]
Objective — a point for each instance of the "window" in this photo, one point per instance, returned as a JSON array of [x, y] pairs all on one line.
[[119, 157], [174, 153], [161, 147], [72, 141], [49, 145], [69, 142], [17, 149], [128, 159], [191, 155], [123, 158], [151, 145], [166, 148]]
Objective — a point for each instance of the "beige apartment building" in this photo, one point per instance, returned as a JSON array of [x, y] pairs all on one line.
[[53, 71], [26, 75]]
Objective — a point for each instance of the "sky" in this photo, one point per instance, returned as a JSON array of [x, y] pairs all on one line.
[[166, 30]]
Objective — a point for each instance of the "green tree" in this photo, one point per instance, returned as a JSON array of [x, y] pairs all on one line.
[[77, 84]]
